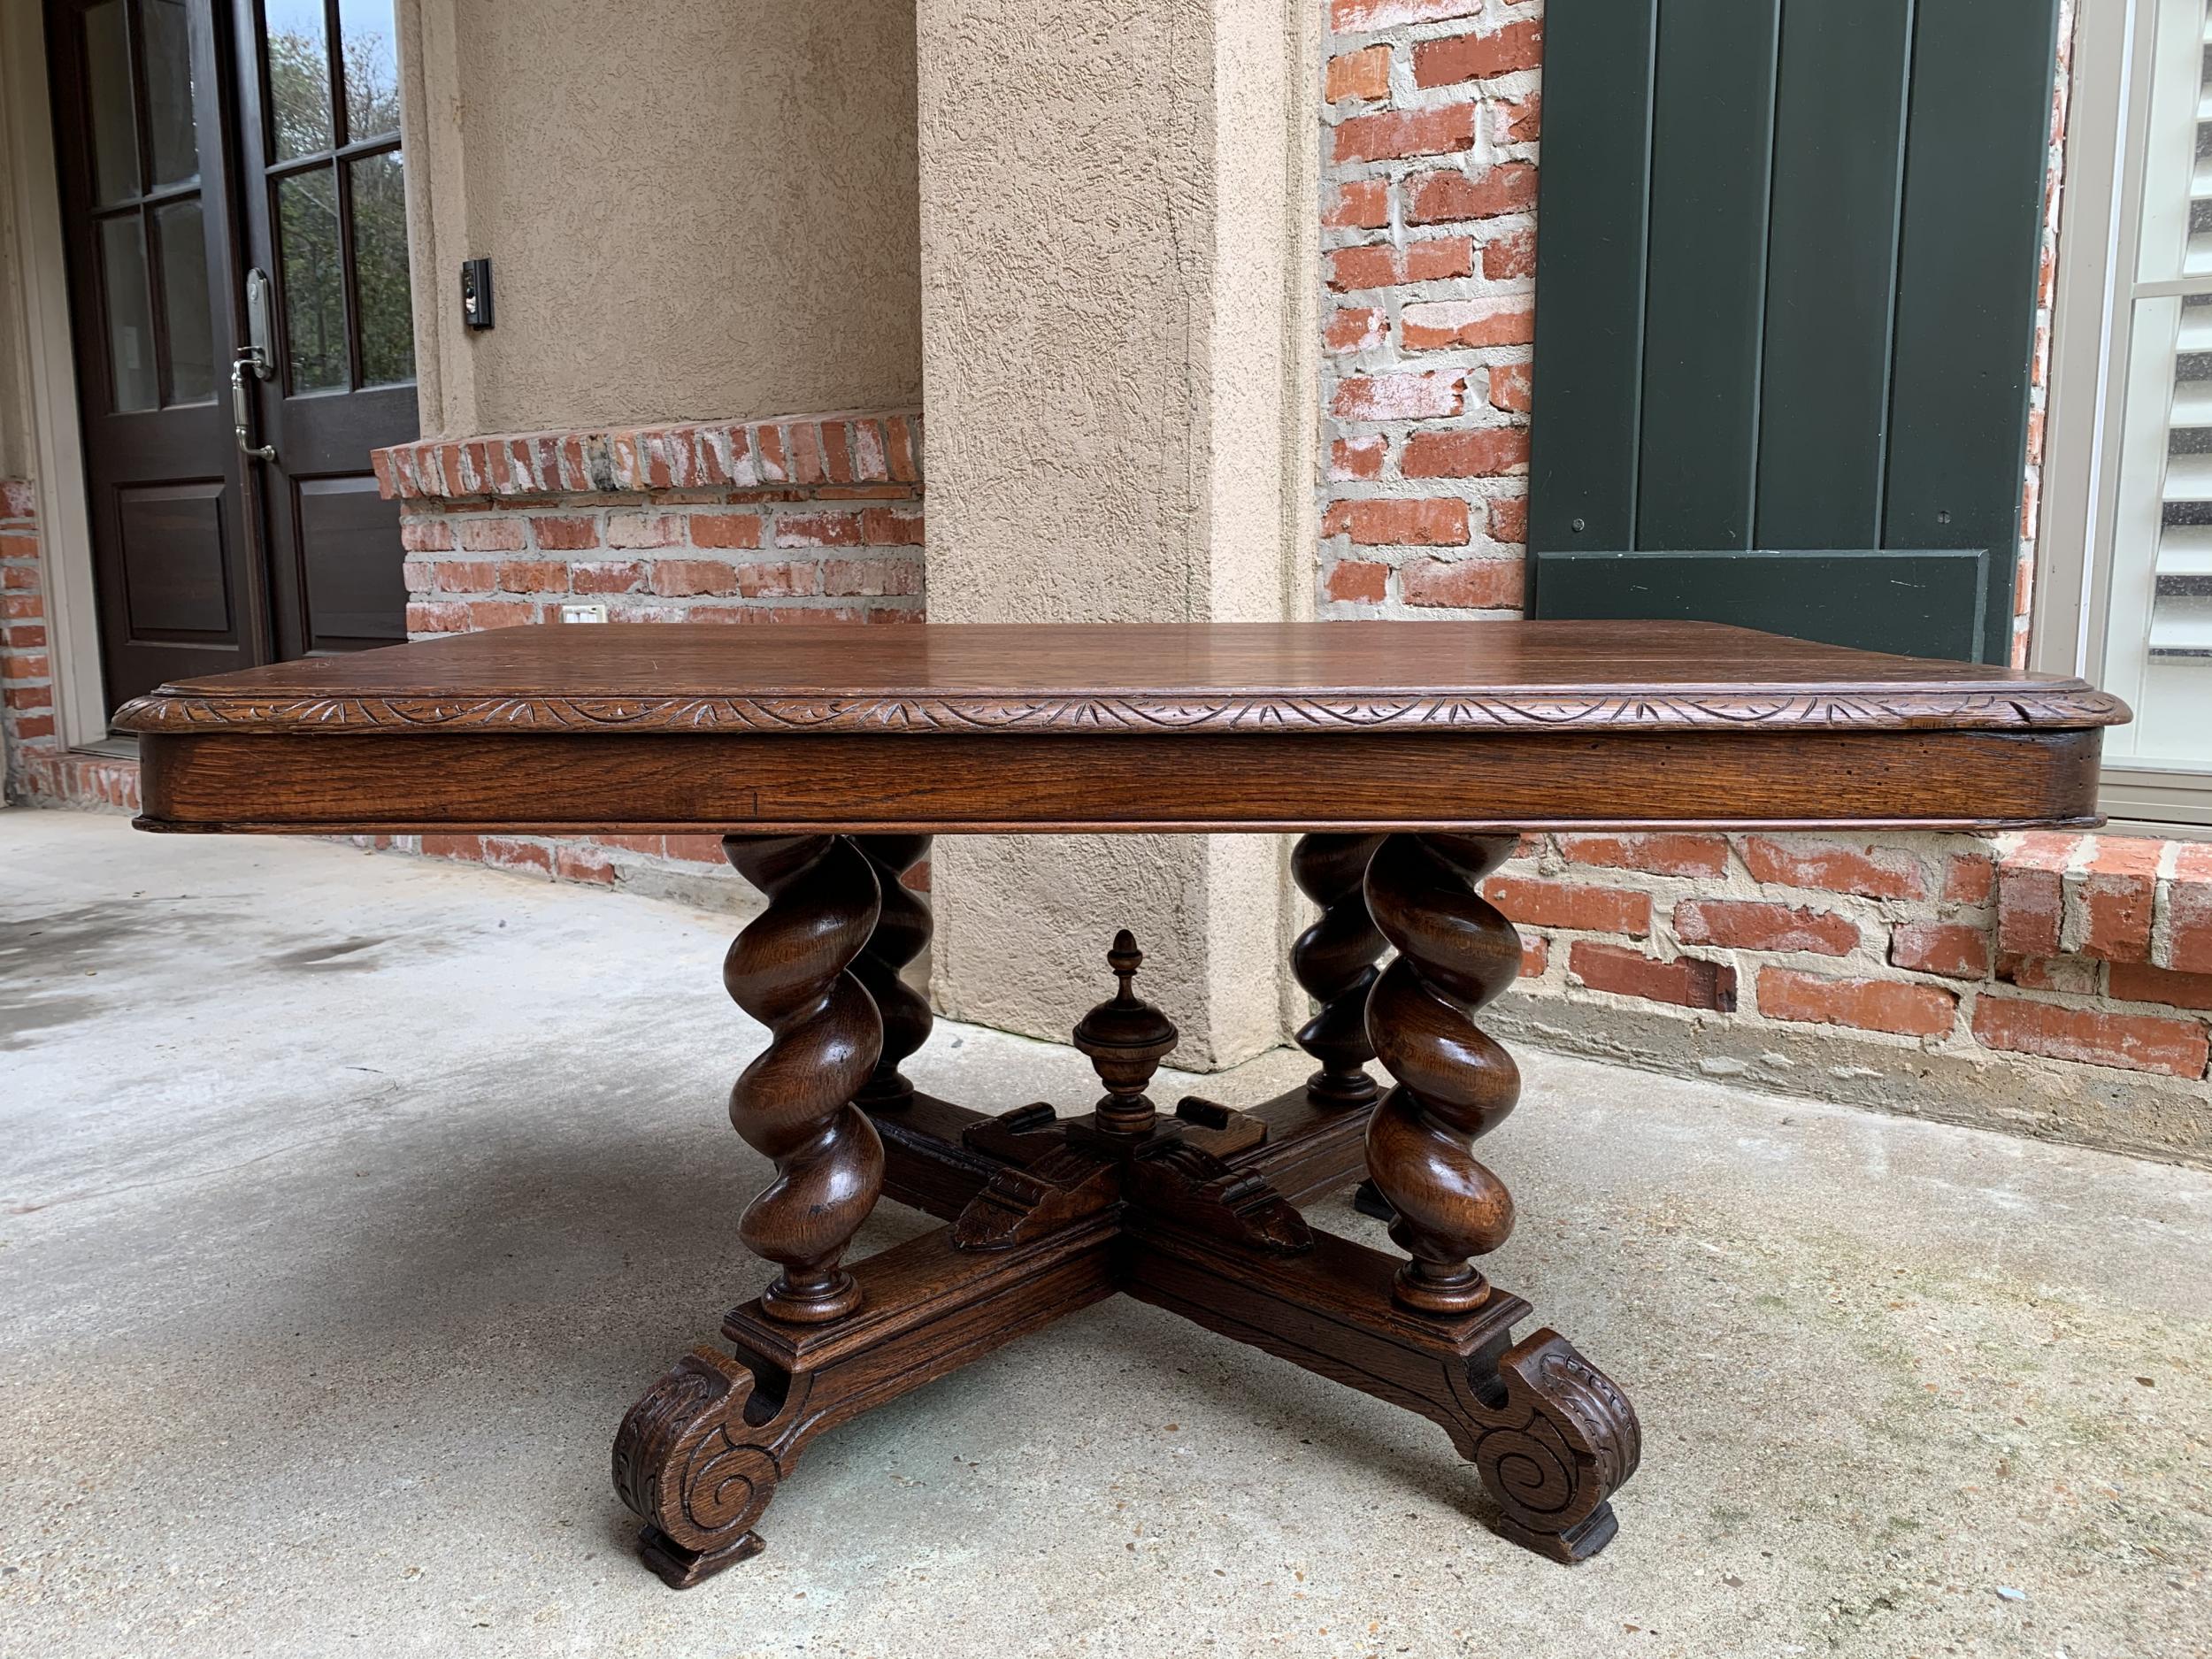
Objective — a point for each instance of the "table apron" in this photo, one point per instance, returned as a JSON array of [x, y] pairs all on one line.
[[577, 782]]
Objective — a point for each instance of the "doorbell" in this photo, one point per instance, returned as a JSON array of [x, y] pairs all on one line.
[[476, 292]]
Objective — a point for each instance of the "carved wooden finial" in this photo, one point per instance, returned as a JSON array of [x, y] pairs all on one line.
[[1125, 1038]]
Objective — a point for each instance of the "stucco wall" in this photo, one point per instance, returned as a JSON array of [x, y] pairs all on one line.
[[692, 212], [1116, 232]]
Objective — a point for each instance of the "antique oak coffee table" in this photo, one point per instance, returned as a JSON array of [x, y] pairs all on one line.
[[1408, 756]]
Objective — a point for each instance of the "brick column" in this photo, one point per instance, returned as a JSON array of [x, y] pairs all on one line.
[[1117, 322], [1430, 111]]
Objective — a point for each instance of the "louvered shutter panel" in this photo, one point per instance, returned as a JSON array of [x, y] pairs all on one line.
[[2181, 603]]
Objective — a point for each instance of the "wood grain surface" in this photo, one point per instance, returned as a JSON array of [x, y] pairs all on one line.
[[1348, 726], [1083, 677]]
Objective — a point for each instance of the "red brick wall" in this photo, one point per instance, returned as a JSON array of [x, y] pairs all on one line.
[[38, 768], [2091, 950], [815, 518], [26, 700], [808, 518], [2032, 965], [1429, 259]]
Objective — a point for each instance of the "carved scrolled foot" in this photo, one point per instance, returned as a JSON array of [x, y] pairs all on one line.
[[789, 969], [688, 1465], [902, 933], [1562, 1442], [1456, 952], [1333, 961]]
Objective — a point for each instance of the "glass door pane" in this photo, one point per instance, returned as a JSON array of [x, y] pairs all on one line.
[[314, 277], [181, 239], [107, 55], [369, 46], [338, 192], [172, 130], [132, 364], [379, 254], [295, 57]]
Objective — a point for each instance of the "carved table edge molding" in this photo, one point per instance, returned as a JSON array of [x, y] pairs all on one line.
[[2060, 706]]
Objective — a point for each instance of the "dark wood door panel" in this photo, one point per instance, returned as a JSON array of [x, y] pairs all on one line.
[[352, 594], [176, 575], [174, 599], [328, 433]]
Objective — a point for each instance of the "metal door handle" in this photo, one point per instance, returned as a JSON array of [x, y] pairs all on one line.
[[246, 362]]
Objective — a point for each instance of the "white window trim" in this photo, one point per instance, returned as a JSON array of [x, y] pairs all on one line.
[[64, 527], [2111, 47]]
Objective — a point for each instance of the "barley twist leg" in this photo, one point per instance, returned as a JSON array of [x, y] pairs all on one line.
[[790, 969], [1456, 952], [902, 931]]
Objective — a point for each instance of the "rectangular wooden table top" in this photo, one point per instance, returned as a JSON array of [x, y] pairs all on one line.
[[1260, 725]]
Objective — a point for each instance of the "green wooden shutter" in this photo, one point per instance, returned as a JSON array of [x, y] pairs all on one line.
[[1787, 259]]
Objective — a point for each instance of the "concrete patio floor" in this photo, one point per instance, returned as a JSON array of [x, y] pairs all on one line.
[[346, 1202]]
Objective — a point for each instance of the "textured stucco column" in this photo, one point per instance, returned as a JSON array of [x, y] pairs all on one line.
[[693, 212], [1118, 287]]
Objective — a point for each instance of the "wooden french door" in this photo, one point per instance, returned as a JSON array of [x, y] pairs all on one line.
[[232, 201], [152, 264], [326, 212]]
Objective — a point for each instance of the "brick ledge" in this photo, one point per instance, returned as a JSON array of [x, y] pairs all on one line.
[[2112, 898], [849, 446], [70, 778]]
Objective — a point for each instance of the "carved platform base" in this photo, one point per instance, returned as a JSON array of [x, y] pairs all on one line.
[[1049, 1214], [700, 1457], [1195, 1210]]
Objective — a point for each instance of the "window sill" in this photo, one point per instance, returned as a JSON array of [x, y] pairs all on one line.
[[2142, 799]]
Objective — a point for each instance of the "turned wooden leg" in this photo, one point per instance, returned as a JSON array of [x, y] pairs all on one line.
[[902, 933], [1334, 961], [1456, 952], [790, 970]]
